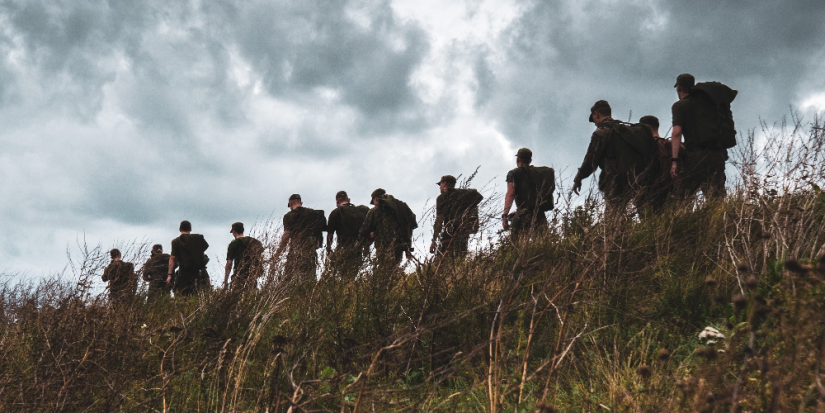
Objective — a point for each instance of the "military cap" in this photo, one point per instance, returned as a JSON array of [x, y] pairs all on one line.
[[157, 247], [293, 197], [650, 120], [377, 193], [448, 179], [341, 195], [685, 80], [237, 227], [524, 153], [596, 106]]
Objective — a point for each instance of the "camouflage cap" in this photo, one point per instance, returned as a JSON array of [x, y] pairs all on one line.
[[293, 197], [524, 153], [596, 106], [341, 195], [377, 193], [237, 227], [685, 80], [650, 120], [449, 179]]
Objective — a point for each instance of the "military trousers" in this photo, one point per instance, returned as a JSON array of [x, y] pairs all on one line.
[[187, 282], [453, 246], [527, 222], [346, 260], [301, 266], [705, 170]]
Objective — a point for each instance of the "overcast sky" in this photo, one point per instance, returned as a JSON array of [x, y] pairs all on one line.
[[118, 119]]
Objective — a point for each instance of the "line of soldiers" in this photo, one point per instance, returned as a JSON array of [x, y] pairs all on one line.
[[636, 165]]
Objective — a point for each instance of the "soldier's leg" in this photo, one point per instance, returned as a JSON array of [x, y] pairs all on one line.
[[713, 187]]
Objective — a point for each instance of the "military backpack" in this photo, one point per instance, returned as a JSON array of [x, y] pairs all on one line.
[[537, 188], [192, 249], [635, 149], [352, 217], [712, 118], [465, 204]]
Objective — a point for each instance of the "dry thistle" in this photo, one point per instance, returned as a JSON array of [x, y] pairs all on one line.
[[663, 354], [644, 371], [708, 353], [545, 408], [795, 266], [740, 301], [742, 268], [710, 281], [751, 283], [720, 298]]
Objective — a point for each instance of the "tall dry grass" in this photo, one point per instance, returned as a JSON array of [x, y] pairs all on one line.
[[596, 315]]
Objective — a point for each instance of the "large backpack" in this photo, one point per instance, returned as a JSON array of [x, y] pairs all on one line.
[[465, 213], [664, 147], [713, 119], [537, 188], [192, 248], [352, 217], [316, 224], [635, 149], [407, 220]]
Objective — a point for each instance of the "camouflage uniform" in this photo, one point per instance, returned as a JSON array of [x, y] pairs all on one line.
[[348, 256], [393, 236], [301, 260], [246, 253], [601, 153], [704, 166], [453, 224], [154, 273], [191, 274], [526, 218], [122, 281]]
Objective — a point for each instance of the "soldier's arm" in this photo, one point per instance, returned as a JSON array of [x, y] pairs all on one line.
[[594, 153], [282, 244], [365, 233], [171, 270], [509, 197], [675, 143], [105, 276], [226, 272]]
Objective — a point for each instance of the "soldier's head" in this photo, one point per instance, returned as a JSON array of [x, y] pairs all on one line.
[[294, 201], [185, 227], [341, 198], [115, 254], [599, 112], [652, 122], [157, 249], [684, 84], [524, 157], [446, 183], [237, 229], [376, 195]]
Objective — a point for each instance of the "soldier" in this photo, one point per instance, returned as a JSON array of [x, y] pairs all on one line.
[[456, 218], [655, 195], [188, 254], [390, 225], [154, 273], [122, 279], [303, 233], [246, 254], [704, 166], [345, 221], [619, 160], [527, 217]]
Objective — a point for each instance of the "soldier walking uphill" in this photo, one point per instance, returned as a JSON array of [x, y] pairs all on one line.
[[246, 254], [345, 221], [390, 225], [703, 116], [122, 279], [154, 273], [655, 195], [188, 254], [456, 218], [531, 188], [303, 234], [624, 154]]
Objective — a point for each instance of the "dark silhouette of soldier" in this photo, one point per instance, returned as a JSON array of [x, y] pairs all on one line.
[[121, 278]]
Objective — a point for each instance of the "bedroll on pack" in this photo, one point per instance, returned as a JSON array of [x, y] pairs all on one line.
[[713, 119], [636, 149], [542, 185], [352, 217], [466, 202]]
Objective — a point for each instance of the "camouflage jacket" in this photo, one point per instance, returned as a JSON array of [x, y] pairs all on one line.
[[392, 227]]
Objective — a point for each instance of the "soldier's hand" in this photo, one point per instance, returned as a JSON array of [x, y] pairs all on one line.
[[432, 248], [506, 222], [577, 186], [673, 166], [169, 279]]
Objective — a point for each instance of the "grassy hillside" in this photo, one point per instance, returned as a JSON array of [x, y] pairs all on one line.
[[595, 316]]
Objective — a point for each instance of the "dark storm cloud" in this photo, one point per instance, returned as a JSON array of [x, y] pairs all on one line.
[[563, 56]]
